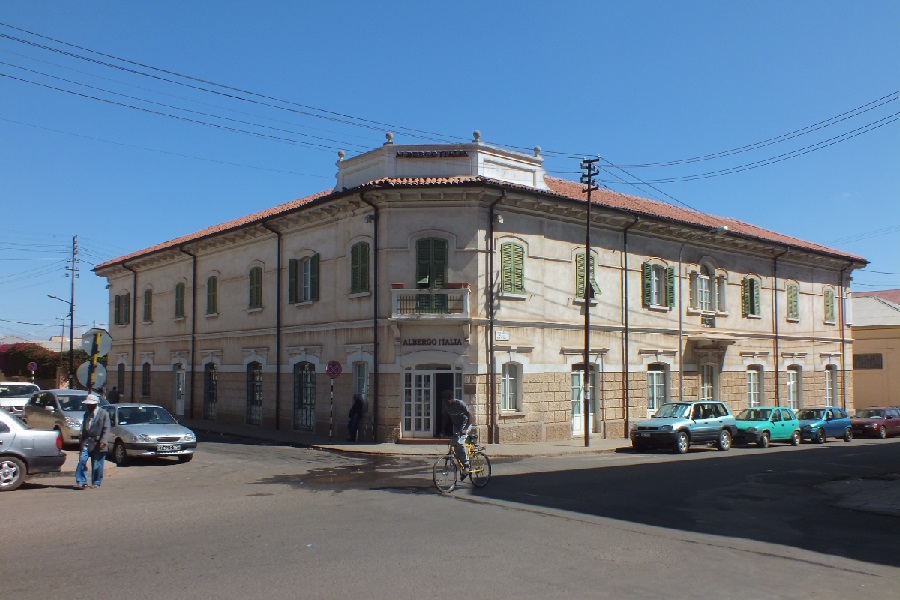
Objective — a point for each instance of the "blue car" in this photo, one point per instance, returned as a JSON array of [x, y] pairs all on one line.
[[821, 423]]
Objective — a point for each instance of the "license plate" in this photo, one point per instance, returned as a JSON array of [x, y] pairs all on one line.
[[168, 447], [645, 434]]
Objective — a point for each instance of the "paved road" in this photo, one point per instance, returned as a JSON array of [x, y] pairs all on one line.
[[263, 521]]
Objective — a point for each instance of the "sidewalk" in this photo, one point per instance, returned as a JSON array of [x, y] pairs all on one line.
[[432, 448]]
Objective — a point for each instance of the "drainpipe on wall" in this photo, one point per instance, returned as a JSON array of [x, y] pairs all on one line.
[[843, 341], [133, 327], [626, 393], [277, 326], [362, 196], [775, 322], [193, 326], [493, 431]]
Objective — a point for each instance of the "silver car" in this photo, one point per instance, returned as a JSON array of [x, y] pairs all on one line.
[[142, 430], [24, 451], [14, 395], [61, 410]]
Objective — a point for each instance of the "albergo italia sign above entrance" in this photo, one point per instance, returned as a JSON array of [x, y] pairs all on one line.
[[433, 342]]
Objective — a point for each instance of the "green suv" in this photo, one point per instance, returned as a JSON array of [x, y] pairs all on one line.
[[678, 425]]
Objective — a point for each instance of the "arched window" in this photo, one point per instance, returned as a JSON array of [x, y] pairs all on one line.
[[304, 396], [210, 390], [254, 393]]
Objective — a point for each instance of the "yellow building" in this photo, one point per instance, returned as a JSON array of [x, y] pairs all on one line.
[[876, 349]]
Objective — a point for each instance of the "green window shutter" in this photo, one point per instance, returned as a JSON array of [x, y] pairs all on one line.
[[694, 293], [212, 293], [117, 310], [670, 286], [579, 276], [439, 262], [359, 258], [179, 300], [793, 302], [647, 283], [745, 296], [148, 306], [256, 287], [518, 269], [756, 305], [829, 305], [506, 268], [293, 264], [595, 289], [314, 277], [423, 263], [126, 309]]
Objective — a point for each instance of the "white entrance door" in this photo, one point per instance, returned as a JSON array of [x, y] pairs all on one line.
[[418, 403], [577, 406], [179, 385]]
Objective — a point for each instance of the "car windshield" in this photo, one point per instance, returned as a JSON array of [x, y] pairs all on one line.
[[754, 414], [17, 391], [75, 402], [811, 414], [672, 410], [144, 415], [870, 413]]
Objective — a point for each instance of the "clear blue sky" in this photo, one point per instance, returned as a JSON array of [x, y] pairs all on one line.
[[635, 82]]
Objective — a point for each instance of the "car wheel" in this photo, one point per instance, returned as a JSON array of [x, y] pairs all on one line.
[[183, 458], [12, 473], [120, 456], [682, 442], [795, 438], [820, 436], [882, 432], [848, 435], [763, 440], [724, 441]]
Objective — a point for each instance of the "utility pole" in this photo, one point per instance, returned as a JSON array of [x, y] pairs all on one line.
[[589, 171], [73, 273]]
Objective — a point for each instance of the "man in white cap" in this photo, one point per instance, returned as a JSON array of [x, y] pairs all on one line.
[[94, 429]]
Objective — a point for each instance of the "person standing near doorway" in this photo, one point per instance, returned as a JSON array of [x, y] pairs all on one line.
[[94, 429], [356, 412]]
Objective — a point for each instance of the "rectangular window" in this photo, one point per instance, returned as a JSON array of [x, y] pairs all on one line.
[[754, 387], [580, 277], [148, 306], [707, 383], [303, 279], [210, 390], [658, 284], [868, 361], [512, 268], [829, 385], [255, 288], [793, 388], [254, 393], [704, 293], [179, 301], [656, 386], [721, 295], [510, 384], [212, 295], [361, 379], [359, 268]]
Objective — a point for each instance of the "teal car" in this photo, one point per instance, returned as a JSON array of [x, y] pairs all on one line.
[[761, 425], [819, 424]]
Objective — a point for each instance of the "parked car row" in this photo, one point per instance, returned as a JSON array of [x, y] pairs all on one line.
[[32, 440], [679, 425]]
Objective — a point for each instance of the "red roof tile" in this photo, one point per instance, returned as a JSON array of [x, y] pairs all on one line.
[[558, 187], [889, 295]]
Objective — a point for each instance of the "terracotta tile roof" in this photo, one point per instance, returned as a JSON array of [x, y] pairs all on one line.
[[558, 187], [889, 295]]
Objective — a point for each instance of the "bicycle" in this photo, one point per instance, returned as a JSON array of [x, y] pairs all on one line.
[[447, 467]]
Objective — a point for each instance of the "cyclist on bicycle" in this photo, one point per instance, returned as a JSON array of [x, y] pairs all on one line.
[[461, 419]]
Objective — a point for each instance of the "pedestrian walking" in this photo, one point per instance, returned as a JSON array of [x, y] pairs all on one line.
[[356, 412], [113, 395], [94, 429]]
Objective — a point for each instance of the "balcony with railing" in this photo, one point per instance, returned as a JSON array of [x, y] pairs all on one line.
[[447, 303]]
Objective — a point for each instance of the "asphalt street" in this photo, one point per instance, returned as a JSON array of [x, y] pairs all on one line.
[[262, 520]]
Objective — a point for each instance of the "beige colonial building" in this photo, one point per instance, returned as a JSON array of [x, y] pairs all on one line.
[[463, 267]]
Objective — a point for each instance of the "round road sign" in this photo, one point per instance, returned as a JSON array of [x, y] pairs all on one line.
[[32, 366], [103, 346], [333, 369], [99, 374]]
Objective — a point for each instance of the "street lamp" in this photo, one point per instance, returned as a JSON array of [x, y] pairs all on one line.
[[71, 338]]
